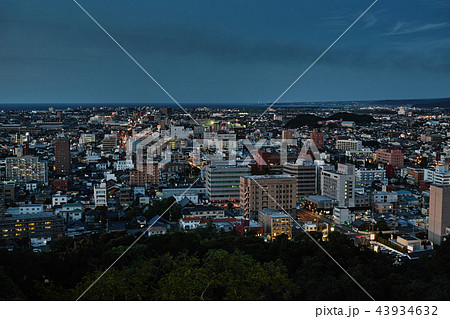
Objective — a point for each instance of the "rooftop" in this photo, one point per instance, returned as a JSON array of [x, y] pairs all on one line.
[[319, 198], [273, 213], [269, 176]]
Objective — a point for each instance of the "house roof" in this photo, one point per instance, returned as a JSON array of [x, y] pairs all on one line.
[[202, 208], [187, 219], [72, 205], [116, 226]]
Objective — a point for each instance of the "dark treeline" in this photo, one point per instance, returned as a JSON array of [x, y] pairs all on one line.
[[205, 265]]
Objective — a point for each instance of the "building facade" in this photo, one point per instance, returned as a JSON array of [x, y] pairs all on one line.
[[365, 177], [31, 226], [62, 156], [348, 145], [439, 175], [392, 157], [25, 169], [100, 195], [439, 212], [306, 176], [339, 185], [144, 175], [275, 223], [267, 191], [317, 138], [222, 182]]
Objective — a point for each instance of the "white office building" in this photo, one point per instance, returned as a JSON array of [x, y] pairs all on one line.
[[339, 185], [222, 182]]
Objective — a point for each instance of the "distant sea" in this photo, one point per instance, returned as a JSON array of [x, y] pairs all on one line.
[[441, 102]]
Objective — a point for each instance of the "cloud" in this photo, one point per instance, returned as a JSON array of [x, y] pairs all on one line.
[[370, 20], [401, 28]]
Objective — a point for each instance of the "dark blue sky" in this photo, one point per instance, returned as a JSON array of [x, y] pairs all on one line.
[[222, 51]]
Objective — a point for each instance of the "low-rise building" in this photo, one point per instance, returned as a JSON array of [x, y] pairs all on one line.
[[275, 223], [203, 212], [343, 215]]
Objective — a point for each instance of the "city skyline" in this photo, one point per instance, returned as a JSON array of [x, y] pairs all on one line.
[[235, 150]]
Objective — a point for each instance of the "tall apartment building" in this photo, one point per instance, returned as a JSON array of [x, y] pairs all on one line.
[[306, 176], [393, 157], [25, 169], [267, 191], [348, 145], [439, 212], [275, 223], [109, 142], [317, 138], [222, 141], [7, 195], [144, 175], [222, 182], [339, 185], [101, 195], [287, 135], [62, 156]]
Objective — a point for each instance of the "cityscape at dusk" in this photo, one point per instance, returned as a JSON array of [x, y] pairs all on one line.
[[226, 151]]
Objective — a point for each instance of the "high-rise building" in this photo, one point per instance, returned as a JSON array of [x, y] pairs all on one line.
[[287, 135], [317, 138], [275, 223], [145, 174], [7, 195], [392, 157], [222, 182], [62, 156], [25, 169], [306, 176], [439, 212], [166, 110], [109, 142], [267, 191], [339, 185]]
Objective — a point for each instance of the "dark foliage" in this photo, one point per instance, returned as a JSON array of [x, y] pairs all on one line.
[[312, 121], [206, 265]]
